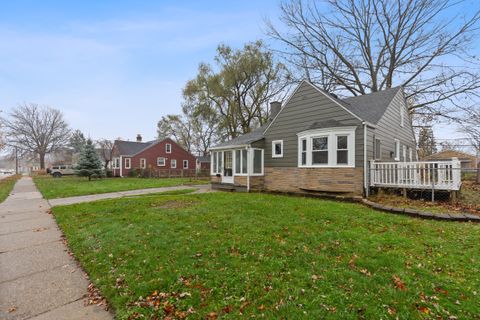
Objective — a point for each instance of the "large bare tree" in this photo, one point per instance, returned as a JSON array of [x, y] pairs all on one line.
[[106, 151], [36, 130], [355, 47], [239, 86]]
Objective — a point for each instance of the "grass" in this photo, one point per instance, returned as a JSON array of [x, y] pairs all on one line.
[[272, 256], [70, 186], [6, 186]]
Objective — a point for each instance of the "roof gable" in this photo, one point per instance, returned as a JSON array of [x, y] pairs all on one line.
[[129, 148]]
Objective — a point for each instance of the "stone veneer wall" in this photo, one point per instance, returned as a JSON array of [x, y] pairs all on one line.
[[291, 179]]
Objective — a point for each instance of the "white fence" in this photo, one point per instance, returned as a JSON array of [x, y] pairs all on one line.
[[436, 175]]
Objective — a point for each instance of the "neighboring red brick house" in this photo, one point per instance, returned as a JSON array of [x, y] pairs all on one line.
[[203, 163], [157, 155]]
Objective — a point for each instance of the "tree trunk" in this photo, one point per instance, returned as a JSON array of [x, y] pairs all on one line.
[[42, 160]]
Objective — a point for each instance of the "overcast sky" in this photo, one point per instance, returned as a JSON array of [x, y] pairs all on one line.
[[115, 67]]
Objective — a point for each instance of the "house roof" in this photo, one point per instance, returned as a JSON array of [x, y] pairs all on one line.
[[130, 148], [449, 154], [203, 159], [245, 139], [370, 107]]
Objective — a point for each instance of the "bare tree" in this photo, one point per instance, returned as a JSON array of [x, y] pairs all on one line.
[[36, 129], [363, 46], [106, 151], [470, 125]]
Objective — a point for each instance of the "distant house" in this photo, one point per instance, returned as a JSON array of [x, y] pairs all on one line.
[[203, 163], [317, 142], [163, 154], [467, 161]]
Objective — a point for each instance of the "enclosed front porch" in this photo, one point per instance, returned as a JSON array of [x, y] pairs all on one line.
[[239, 169]]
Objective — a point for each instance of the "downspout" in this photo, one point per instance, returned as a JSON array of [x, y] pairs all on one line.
[[248, 168], [365, 166], [121, 167]]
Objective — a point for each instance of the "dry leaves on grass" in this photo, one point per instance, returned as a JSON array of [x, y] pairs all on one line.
[[95, 297], [399, 284]]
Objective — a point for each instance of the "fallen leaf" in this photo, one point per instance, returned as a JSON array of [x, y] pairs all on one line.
[[12, 309], [424, 309], [399, 284], [212, 316]]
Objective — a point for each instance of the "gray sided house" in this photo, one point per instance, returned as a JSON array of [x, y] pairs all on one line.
[[318, 143]]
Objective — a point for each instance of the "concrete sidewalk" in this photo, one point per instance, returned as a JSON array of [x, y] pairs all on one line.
[[200, 188], [38, 278]]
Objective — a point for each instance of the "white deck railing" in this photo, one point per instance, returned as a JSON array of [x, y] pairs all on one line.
[[437, 175]]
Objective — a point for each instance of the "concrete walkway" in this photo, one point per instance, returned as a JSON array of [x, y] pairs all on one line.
[[38, 278], [200, 188]]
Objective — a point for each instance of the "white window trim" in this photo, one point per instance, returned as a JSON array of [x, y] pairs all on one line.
[[404, 152], [410, 154], [183, 163], [241, 162], [332, 134], [169, 149], [173, 163], [144, 165], [375, 144], [164, 162], [274, 142], [397, 150], [402, 117], [129, 163], [215, 167], [250, 162]]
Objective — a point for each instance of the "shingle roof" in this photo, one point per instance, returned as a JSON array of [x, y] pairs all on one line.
[[370, 107], [130, 148], [247, 138]]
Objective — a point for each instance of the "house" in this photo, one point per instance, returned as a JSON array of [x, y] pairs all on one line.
[[203, 163], [467, 161], [317, 142], [158, 155]]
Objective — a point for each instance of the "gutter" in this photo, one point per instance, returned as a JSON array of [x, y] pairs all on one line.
[[365, 167]]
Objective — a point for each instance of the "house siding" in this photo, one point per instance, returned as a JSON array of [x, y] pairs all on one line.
[[388, 129], [151, 154], [305, 107]]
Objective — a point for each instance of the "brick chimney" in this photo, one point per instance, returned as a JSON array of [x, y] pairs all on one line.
[[275, 108], [139, 137]]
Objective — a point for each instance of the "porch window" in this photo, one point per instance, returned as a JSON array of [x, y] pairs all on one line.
[[173, 163], [168, 148], [257, 161], [143, 163], [277, 149], [241, 162], [128, 163], [329, 147], [161, 161], [185, 164], [217, 162]]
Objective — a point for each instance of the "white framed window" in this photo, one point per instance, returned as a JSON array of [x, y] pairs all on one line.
[[161, 161], [256, 160], [402, 117], [404, 151], [143, 163], [216, 164], [116, 163], [168, 148], [329, 147], [185, 164], [128, 163], [396, 148], [410, 154], [241, 162], [277, 149], [377, 149], [173, 163]]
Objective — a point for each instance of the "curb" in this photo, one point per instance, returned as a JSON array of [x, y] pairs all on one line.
[[459, 217]]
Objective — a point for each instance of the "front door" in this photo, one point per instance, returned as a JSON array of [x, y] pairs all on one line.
[[227, 176]]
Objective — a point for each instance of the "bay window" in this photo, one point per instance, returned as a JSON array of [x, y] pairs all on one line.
[[329, 147]]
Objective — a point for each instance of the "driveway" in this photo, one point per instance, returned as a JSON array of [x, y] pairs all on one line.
[[38, 278]]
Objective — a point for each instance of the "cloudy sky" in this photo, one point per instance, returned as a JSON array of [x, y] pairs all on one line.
[[115, 67]]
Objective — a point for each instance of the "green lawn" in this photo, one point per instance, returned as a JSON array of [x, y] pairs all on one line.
[[70, 186], [279, 257], [6, 186]]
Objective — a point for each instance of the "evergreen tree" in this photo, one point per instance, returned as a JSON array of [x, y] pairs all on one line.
[[89, 164]]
